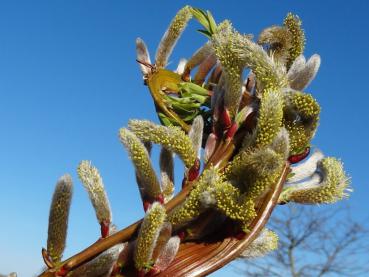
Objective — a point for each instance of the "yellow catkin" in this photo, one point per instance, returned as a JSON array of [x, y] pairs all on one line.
[[299, 139], [235, 206], [147, 237], [225, 45], [301, 118], [58, 218], [305, 104], [281, 143], [270, 74], [236, 51], [192, 206], [333, 185], [278, 42], [171, 36], [92, 181], [269, 118], [254, 173], [293, 25], [172, 138], [141, 160]]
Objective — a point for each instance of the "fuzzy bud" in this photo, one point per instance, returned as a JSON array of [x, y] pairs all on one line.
[[307, 168], [266, 242], [102, 264], [143, 56], [210, 146], [168, 253], [167, 173], [199, 56], [301, 74], [195, 134]]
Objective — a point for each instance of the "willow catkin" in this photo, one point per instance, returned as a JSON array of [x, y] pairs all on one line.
[[146, 176], [172, 35], [171, 137], [92, 181], [58, 218], [328, 185], [148, 235]]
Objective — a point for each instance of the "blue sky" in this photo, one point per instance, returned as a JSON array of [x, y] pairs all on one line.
[[69, 81]]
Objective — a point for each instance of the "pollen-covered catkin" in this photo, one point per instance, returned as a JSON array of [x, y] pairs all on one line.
[[225, 43], [171, 36], [148, 235], [277, 41], [149, 184], [233, 204], [172, 138], [256, 171], [330, 185], [269, 118], [92, 181], [301, 118], [193, 205], [58, 218], [293, 24]]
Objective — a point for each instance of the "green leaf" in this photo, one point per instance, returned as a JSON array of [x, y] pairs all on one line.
[[199, 98], [212, 23], [205, 18], [165, 120], [206, 33], [201, 16], [192, 88]]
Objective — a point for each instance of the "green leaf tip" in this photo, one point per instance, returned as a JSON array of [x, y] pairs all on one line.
[[206, 19]]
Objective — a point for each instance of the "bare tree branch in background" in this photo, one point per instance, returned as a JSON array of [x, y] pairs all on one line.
[[314, 241], [13, 274]]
